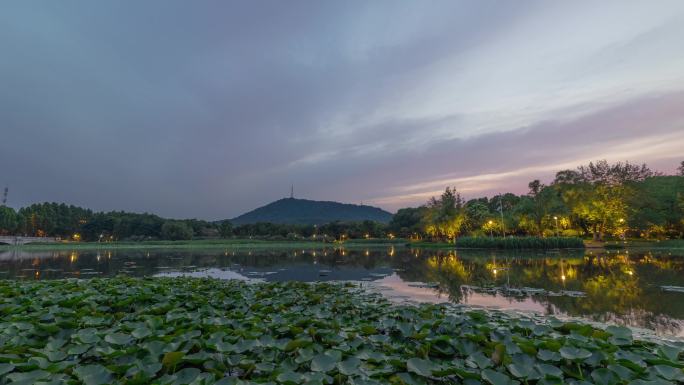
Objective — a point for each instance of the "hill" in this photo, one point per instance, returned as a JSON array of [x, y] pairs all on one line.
[[304, 211]]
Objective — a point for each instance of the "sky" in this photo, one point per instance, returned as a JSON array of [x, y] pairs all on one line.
[[207, 109]]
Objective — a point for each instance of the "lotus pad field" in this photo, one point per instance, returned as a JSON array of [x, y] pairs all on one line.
[[203, 331]]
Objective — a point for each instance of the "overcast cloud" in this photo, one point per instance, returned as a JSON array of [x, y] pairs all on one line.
[[210, 108]]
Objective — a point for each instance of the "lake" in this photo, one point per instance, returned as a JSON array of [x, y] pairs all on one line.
[[612, 287]]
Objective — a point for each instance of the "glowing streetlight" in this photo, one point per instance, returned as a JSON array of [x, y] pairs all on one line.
[[491, 228], [555, 218]]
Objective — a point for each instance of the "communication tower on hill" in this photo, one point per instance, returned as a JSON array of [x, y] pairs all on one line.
[[4, 196]]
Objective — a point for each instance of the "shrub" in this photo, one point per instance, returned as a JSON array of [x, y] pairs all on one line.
[[520, 243]]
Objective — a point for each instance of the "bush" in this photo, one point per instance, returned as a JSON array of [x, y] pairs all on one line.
[[570, 233], [520, 243]]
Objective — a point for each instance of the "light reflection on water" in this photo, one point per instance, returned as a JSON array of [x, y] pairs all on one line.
[[623, 288]]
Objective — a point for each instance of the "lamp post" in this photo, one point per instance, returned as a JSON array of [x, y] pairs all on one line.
[[556, 219]]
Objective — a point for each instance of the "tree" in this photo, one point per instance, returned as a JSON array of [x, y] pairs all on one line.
[[408, 221], [615, 174], [681, 168], [446, 216], [477, 213], [9, 221], [226, 229], [654, 206], [176, 231], [597, 193]]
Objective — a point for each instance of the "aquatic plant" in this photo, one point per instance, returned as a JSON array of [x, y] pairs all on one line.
[[204, 331]]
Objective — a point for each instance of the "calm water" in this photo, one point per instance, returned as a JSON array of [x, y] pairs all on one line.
[[623, 288]]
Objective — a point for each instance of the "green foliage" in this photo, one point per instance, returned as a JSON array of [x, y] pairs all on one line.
[[446, 216], [176, 231], [204, 331], [520, 243], [9, 221], [226, 229], [408, 221]]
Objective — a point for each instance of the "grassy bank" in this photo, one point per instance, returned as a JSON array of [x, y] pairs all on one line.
[[180, 331], [642, 243], [510, 243], [207, 244]]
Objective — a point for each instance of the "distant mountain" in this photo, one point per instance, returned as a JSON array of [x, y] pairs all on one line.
[[308, 212]]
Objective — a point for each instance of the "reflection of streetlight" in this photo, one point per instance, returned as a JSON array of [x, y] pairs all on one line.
[[562, 273]]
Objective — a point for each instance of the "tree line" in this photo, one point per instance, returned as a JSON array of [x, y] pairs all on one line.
[[75, 223], [597, 200]]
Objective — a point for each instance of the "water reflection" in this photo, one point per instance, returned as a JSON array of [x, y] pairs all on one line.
[[606, 287]]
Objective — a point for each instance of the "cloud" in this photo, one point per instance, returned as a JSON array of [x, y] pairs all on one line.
[[210, 109]]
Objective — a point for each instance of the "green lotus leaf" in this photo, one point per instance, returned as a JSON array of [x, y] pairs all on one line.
[[650, 382], [522, 366], [296, 344], [603, 376], [549, 371], [407, 379], [289, 377], [669, 373], [669, 352], [619, 331], [185, 376], [495, 378], [28, 377], [548, 355], [421, 367], [480, 360], [6, 368], [349, 367], [323, 363], [118, 338], [171, 359], [40, 362], [141, 332], [622, 372], [88, 336], [317, 377], [93, 374], [574, 354]]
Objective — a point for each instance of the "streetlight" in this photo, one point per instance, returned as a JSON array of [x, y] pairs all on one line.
[[491, 228], [556, 219]]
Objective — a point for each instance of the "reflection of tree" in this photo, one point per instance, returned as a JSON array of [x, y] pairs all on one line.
[[619, 287]]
